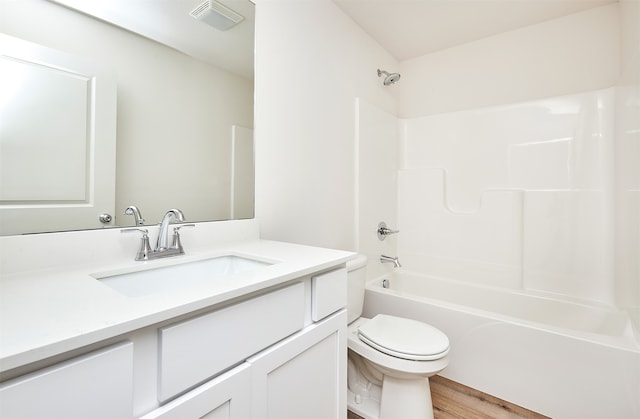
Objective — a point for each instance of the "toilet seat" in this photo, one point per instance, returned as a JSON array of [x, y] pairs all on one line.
[[404, 338]]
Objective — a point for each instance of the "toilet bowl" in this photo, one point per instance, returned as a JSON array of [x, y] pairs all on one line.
[[390, 358]]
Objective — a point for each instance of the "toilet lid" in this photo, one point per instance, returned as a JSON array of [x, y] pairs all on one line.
[[404, 338]]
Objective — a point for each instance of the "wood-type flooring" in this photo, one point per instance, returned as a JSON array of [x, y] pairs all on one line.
[[452, 400]]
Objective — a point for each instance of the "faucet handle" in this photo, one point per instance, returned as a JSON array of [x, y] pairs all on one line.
[[145, 248], [177, 244], [144, 231], [176, 228]]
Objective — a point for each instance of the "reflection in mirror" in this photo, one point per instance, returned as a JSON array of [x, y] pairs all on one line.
[[184, 125], [57, 140], [33, 89]]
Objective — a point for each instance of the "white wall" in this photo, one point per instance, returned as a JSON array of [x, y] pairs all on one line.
[[311, 63], [167, 105], [377, 161], [627, 162], [314, 188], [571, 54], [568, 152]]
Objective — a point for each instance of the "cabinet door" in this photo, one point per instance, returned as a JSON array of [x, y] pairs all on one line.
[[96, 385], [303, 376], [224, 397]]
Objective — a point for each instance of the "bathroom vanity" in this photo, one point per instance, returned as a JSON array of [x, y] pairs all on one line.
[[267, 341]]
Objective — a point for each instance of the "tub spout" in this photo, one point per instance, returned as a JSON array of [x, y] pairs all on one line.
[[389, 259]]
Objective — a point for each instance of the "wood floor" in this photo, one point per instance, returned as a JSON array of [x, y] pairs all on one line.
[[452, 400]]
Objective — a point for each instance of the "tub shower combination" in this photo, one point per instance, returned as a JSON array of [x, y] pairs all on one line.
[[519, 241], [561, 359]]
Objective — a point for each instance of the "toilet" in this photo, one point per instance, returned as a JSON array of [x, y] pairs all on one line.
[[390, 358]]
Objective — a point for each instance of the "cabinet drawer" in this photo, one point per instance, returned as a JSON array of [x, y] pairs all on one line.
[[197, 349], [96, 385], [328, 293]]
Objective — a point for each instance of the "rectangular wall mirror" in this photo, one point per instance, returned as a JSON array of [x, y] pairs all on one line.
[[180, 93]]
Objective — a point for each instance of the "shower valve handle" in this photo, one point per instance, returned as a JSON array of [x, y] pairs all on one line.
[[383, 231]]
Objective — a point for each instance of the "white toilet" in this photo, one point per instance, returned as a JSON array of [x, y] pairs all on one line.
[[390, 358]]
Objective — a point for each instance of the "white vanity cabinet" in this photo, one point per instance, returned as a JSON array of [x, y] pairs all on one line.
[[303, 376], [292, 347], [96, 385], [279, 352]]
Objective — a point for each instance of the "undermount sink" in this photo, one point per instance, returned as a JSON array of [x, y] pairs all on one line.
[[168, 278]]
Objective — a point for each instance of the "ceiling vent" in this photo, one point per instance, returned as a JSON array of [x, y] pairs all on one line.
[[217, 15]]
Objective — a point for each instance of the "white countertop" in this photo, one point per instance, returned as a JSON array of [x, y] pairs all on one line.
[[50, 311]]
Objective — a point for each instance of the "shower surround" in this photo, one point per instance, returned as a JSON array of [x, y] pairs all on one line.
[[518, 196], [540, 196], [537, 200]]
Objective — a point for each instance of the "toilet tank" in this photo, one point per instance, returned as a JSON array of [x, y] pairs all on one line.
[[356, 278]]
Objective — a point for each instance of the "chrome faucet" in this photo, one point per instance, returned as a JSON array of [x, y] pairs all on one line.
[[389, 259], [163, 233], [163, 248], [137, 216]]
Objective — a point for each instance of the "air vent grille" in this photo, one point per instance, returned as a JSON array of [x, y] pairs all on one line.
[[200, 9], [217, 15]]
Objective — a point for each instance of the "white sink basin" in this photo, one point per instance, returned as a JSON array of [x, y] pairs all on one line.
[[169, 278]]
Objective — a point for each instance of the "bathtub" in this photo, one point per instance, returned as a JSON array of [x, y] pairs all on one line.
[[560, 358]]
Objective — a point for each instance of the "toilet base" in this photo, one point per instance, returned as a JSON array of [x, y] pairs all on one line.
[[407, 399], [366, 408]]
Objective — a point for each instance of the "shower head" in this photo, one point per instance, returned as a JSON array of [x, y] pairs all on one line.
[[391, 78]]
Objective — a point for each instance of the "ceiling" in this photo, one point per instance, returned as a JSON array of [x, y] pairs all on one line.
[[412, 28], [405, 28], [169, 22]]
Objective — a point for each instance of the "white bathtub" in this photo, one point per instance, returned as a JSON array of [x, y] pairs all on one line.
[[559, 358]]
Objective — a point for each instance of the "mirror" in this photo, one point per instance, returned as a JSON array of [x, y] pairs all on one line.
[[184, 110]]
